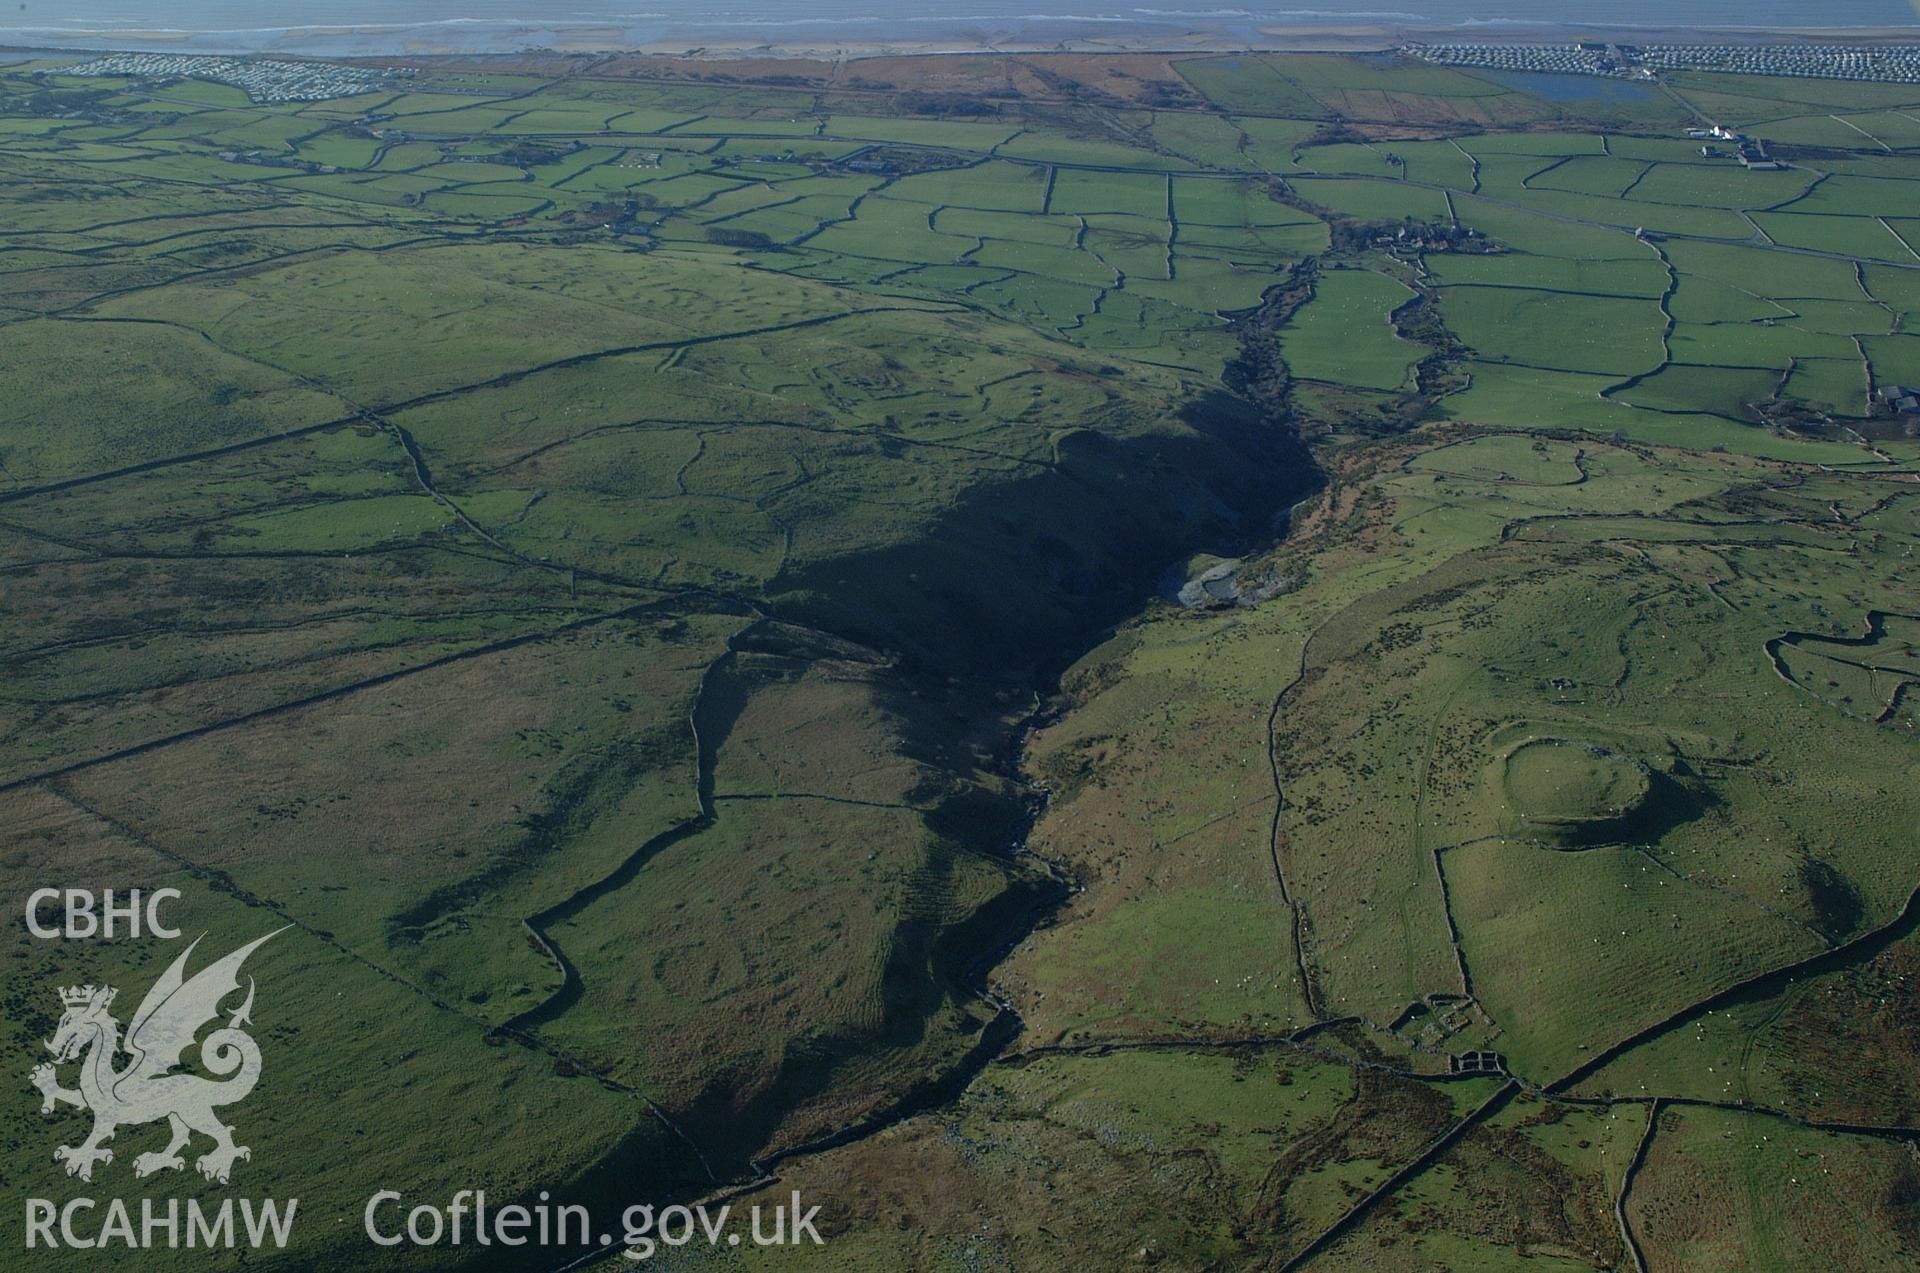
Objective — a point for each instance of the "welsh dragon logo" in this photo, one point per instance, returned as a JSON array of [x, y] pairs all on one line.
[[147, 1088]]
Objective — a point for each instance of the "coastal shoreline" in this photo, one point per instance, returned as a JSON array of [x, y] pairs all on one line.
[[1003, 37]]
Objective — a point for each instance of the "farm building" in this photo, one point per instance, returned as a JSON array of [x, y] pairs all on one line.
[[1899, 399]]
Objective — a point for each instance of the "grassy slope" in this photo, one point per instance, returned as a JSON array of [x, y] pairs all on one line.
[[708, 508]]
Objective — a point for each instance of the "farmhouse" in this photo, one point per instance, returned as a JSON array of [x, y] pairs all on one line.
[[1751, 151], [1897, 399]]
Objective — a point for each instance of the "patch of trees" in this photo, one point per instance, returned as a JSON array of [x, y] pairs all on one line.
[[1257, 373], [1335, 135], [1167, 94], [50, 102], [1791, 413], [897, 161], [1350, 234], [728, 236], [620, 216], [530, 154]]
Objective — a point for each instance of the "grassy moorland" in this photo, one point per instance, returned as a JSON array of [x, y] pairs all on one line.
[[649, 568]]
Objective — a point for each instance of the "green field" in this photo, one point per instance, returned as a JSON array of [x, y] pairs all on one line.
[[1346, 334], [1202, 660]]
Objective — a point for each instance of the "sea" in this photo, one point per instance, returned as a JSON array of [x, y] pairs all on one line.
[[374, 27]]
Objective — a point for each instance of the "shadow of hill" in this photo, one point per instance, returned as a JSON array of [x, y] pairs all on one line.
[[1018, 576]]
